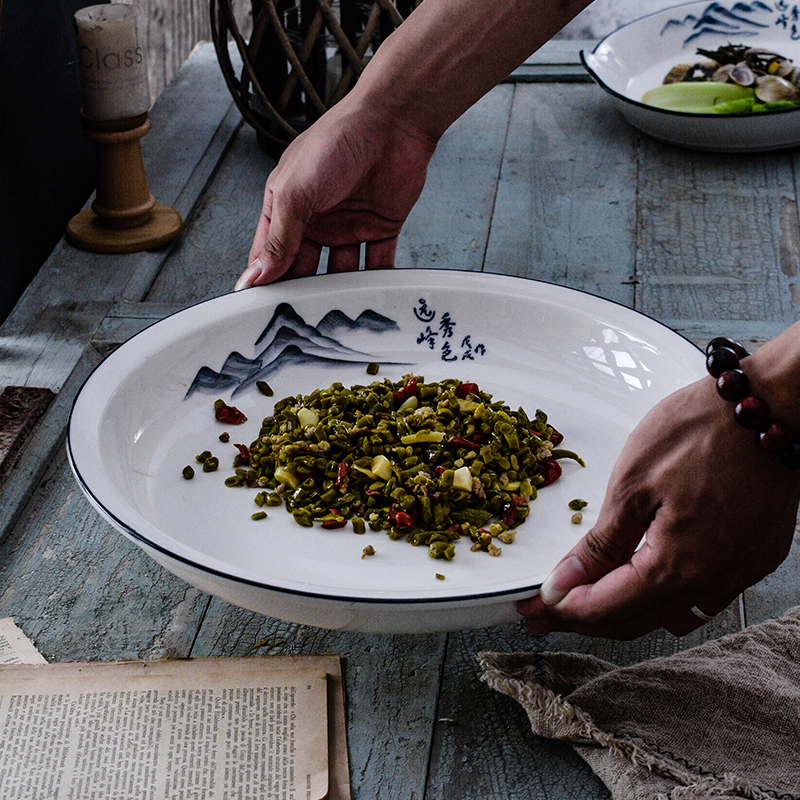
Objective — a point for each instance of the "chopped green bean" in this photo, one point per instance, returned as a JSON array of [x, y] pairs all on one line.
[[577, 504], [264, 388], [358, 525], [188, 473], [259, 515], [425, 462], [373, 368]]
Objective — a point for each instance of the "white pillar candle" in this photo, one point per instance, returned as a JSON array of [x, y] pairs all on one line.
[[112, 62]]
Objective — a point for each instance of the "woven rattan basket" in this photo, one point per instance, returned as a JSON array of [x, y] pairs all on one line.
[[302, 57]]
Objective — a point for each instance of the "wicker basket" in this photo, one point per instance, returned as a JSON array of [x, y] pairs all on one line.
[[302, 57]]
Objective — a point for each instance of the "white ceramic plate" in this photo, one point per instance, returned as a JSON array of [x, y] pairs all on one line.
[[593, 366], [637, 56]]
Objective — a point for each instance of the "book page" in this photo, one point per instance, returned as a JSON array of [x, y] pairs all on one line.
[[200, 729], [15, 647]]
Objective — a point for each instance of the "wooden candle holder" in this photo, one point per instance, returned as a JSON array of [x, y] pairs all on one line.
[[124, 216]]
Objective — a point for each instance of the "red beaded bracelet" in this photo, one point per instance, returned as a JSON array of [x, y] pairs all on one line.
[[722, 362]]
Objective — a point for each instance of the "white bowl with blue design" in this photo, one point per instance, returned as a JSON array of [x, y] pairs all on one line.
[[636, 57]]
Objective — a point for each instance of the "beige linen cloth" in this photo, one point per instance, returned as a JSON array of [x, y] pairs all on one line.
[[720, 720]]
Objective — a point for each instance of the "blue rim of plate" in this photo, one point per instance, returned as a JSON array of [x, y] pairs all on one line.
[[343, 599]]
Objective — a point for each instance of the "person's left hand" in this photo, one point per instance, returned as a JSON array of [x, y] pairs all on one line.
[[350, 180]]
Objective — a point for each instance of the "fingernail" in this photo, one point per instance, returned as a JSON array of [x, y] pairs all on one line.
[[567, 575], [249, 276]]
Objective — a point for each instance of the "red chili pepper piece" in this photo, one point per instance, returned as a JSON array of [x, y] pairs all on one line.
[[402, 519], [409, 390], [342, 471], [439, 470], [463, 389], [509, 513], [556, 438], [230, 414], [550, 470], [460, 441], [332, 524], [456, 528], [244, 453]]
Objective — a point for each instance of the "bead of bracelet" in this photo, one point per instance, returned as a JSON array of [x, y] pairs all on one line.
[[723, 356]]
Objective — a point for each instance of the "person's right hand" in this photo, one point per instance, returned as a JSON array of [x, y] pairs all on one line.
[[350, 179]]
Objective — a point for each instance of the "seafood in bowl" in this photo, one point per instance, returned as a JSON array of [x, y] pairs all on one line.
[[636, 58]]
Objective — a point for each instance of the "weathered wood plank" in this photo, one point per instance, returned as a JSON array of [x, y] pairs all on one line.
[[777, 593], [213, 252], [392, 683], [49, 328], [565, 208], [449, 226], [83, 592], [717, 238], [127, 319], [483, 746], [558, 60]]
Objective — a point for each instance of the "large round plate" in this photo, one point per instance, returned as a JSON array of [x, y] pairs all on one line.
[[637, 56], [593, 366]]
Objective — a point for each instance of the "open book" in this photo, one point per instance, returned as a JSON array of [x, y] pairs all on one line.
[[260, 728]]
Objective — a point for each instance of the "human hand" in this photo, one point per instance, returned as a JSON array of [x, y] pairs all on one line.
[[350, 179], [718, 512]]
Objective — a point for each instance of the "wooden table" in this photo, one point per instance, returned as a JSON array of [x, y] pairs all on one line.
[[541, 179]]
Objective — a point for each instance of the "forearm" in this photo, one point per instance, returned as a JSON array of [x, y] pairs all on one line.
[[774, 372], [448, 53]]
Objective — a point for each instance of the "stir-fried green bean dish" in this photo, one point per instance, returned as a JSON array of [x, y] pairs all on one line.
[[426, 462]]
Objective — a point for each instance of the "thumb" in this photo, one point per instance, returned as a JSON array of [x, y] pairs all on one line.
[[602, 550], [276, 243]]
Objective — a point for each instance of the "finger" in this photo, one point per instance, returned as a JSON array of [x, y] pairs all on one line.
[[660, 616], [306, 261], [381, 254], [254, 273], [674, 614], [344, 258], [251, 276], [595, 555], [279, 242], [621, 524], [262, 227]]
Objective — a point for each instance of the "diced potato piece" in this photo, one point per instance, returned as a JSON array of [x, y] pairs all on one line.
[[285, 476], [381, 468], [422, 437], [409, 404], [462, 479], [307, 416]]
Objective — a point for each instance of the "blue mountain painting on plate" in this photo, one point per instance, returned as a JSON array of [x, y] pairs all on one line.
[[288, 340]]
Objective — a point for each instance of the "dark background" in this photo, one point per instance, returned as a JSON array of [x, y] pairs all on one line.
[[46, 164]]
